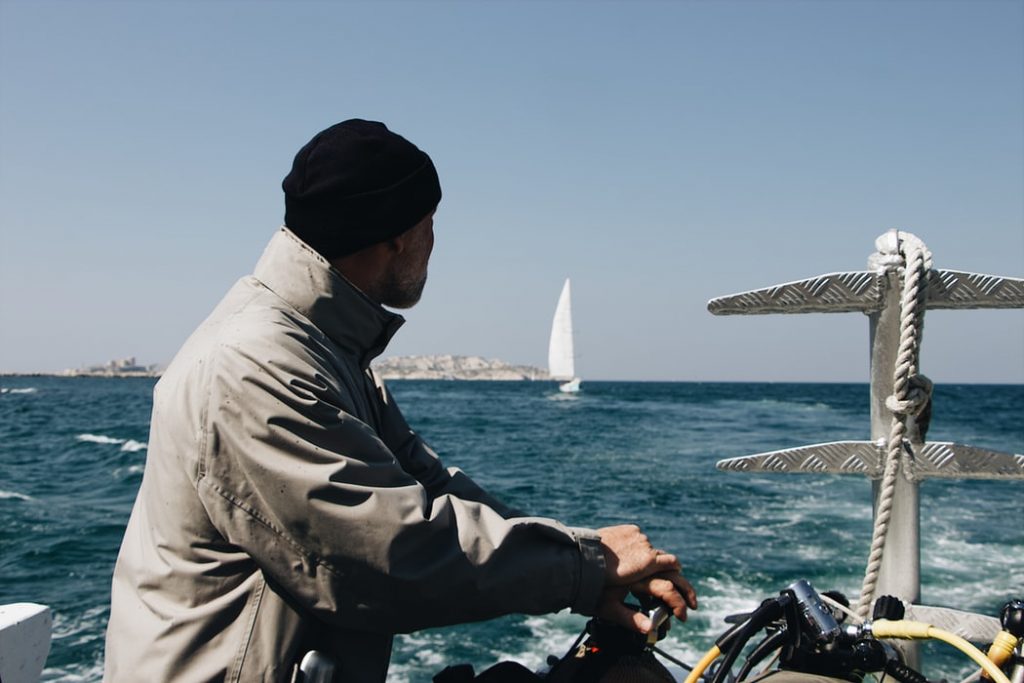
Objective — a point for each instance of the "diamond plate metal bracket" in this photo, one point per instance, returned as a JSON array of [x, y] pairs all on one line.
[[936, 459], [976, 628], [864, 291]]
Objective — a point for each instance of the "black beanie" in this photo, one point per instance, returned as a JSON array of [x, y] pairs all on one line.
[[357, 184]]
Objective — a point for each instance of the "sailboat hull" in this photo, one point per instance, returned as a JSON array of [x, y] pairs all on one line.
[[570, 387]]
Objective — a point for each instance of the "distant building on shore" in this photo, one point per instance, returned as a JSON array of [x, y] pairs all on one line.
[[121, 367]]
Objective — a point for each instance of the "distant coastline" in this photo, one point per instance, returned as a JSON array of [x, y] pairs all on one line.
[[441, 367], [120, 367], [455, 367], [80, 373]]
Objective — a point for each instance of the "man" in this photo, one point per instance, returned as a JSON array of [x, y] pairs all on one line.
[[287, 506]]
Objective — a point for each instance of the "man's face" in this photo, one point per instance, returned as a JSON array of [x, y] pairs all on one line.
[[408, 275]]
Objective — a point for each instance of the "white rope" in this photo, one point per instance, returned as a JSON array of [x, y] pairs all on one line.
[[911, 393], [835, 604]]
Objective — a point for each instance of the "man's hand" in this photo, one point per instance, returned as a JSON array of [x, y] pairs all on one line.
[[671, 588], [632, 564], [629, 555]]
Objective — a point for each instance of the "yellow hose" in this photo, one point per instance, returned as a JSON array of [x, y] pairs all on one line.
[[1002, 647], [884, 628], [705, 662]]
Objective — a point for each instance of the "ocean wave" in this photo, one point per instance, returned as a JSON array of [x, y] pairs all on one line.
[[774, 404], [721, 598], [128, 445], [74, 674], [985, 594], [426, 648], [99, 438], [81, 627], [15, 495], [434, 659], [24, 390], [81, 632], [552, 634]]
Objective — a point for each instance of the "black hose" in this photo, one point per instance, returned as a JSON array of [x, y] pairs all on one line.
[[736, 639], [770, 644]]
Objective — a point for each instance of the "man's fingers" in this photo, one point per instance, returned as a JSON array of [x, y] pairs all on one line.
[[682, 586], [687, 590], [666, 562], [671, 588], [619, 614], [666, 591]]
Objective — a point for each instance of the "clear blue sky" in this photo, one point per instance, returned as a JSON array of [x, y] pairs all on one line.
[[659, 153]]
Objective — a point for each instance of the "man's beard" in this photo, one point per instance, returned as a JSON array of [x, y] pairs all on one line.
[[402, 289]]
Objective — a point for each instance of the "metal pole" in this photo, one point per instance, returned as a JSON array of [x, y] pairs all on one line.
[[900, 572]]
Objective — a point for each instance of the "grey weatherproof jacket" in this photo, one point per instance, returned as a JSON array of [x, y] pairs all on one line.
[[287, 506]]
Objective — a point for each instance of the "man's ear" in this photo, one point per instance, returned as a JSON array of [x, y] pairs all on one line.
[[397, 244]]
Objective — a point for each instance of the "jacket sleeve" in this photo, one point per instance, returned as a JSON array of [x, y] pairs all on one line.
[[327, 511], [420, 460]]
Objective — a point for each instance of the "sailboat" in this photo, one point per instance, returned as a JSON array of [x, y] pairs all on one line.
[[561, 359]]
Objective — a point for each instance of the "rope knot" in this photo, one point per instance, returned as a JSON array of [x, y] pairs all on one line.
[[918, 395], [895, 250]]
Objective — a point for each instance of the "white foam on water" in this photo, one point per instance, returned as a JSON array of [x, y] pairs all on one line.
[[15, 495], [776, 406], [75, 674], [553, 634], [24, 390], [99, 438], [534, 661], [986, 595], [78, 631], [127, 445], [812, 553], [83, 627], [131, 470], [720, 598], [563, 625], [431, 658], [952, 553], [428, 649]]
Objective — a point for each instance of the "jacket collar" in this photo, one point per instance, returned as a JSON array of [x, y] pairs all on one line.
[[307, 282]]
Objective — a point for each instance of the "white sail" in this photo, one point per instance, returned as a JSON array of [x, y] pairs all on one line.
[[561, 362]]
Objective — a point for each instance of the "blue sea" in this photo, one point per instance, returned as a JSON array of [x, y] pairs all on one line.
[[72, 452]]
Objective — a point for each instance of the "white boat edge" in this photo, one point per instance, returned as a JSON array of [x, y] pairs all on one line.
[[25, 632]]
